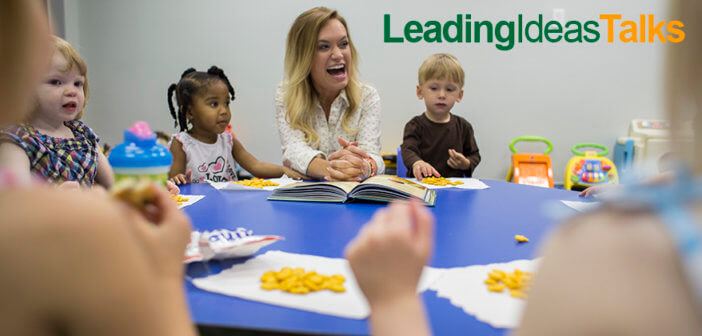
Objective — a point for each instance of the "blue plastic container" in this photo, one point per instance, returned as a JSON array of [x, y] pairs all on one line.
[[140, 156]]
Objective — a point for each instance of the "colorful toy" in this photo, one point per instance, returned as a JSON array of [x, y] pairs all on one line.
[[623, 157], [531, 168], [589, 168]]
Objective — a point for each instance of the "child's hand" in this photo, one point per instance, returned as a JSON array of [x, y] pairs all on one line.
[[422, 169], [293, 174], [390, 251], [163, 232], [69, 185], [182, 178], [457, 160], [595, 190], [172, 188]]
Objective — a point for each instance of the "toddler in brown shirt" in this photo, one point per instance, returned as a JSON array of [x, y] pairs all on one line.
[[437, 142]]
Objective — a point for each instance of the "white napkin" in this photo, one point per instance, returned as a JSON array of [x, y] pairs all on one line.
[[191, 200], [468, 183], [464, 287], [581, 206], [282, 181], [243, 281]]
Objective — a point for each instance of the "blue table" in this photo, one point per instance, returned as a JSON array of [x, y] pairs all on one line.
[[473, 227]]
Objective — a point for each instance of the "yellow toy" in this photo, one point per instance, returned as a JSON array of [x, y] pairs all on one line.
[[589, 168], [531, 168]]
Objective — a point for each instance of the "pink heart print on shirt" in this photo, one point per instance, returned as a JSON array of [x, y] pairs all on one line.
[[218, 166], [215, 167]]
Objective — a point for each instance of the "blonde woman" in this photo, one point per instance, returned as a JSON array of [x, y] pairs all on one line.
[[328, 121], [634, 267], [83, 264]]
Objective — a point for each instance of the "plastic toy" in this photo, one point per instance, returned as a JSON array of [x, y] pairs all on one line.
[[401, 169], [531, 168], [623, 157], [589, 168], [651, 139]]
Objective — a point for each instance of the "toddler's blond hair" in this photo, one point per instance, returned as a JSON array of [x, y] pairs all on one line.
[[441, 66]]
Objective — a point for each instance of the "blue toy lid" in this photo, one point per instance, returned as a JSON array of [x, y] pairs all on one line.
[[140, 149]]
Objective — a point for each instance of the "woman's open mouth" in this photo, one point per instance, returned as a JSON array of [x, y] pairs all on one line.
[[338, 72]]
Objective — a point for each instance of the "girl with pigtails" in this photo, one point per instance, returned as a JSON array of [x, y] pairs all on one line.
[[202, 150]]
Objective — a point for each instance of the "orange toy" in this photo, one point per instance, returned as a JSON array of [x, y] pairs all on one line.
[[531, 168]]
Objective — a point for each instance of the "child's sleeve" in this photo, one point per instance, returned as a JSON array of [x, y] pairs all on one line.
[[410, 145], [17, 135], [470, 149]]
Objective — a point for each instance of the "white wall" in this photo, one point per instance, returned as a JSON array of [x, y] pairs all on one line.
[[569, 93]]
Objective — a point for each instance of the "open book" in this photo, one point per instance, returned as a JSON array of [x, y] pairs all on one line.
[[381, 188]]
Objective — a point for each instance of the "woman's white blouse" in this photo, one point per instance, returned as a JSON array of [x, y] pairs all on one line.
[[366, 119]]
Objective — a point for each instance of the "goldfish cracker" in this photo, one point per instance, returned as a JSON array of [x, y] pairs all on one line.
[[256, 183], [298, 281], [315, 279], [311, 285], [269, 277], [337, 287], [521, 239], [517, 293], [517, 282], [497, 274], [135, 191], [299, 290], [511, 284], [270, 285], [284, 273], [179, 199], [496, 288], [440, 181]]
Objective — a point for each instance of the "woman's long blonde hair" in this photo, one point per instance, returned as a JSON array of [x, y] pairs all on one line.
[[684, 81], [299, 95]]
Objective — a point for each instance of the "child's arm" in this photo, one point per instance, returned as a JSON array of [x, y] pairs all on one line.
[[104, 176], [395, 244], [469, 158], [410, 152], [15, 161], [258, 168], [471, 151], [142, 294], [410, 145], [177, 174], [457, 160], [422, 169]]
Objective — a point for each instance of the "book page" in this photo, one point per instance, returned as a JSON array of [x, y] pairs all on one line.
[[394, 182], [345, 186]]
